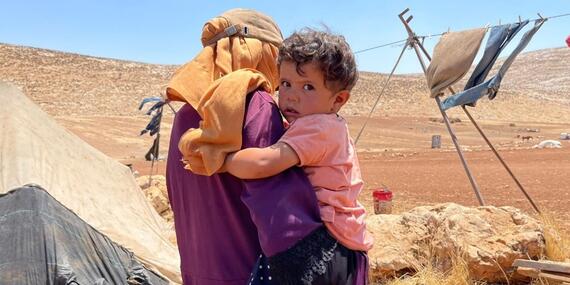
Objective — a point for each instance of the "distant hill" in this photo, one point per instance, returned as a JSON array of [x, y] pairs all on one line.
[[537, 87], [72, 84]]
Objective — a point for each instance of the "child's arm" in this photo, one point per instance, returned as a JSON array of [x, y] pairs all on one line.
[[253, 163]]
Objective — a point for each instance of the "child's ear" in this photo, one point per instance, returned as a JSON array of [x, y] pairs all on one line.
[[340, 99]]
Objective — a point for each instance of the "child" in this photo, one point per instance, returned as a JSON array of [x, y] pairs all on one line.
[[317, 72]]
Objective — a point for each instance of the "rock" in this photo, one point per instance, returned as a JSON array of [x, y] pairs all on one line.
[[488, 238], [157, 193], [158, 200], [452, 120]]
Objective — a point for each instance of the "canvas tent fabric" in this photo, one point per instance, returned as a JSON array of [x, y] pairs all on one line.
[[491, 86], [452, 58], [101, 191], [43, 242]]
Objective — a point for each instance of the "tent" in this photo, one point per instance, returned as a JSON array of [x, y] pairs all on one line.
[[34, 149]]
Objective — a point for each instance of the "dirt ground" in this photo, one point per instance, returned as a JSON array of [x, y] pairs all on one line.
[[396, 152]]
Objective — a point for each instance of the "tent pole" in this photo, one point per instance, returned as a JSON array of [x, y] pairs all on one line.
[[487, 141], [414, 43], [501, 159]]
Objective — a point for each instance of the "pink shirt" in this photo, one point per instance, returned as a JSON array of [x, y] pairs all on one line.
[[327, 155]]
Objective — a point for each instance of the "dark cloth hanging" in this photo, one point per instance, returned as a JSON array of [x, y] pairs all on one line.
[[153, 127], [499, 37], [152, 153]]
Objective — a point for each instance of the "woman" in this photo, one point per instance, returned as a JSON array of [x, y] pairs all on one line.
[[222, 223]]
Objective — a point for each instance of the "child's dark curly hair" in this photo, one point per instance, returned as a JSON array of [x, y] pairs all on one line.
[[329, 51]]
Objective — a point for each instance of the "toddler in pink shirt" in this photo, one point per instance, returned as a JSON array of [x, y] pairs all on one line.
[[317, 72]]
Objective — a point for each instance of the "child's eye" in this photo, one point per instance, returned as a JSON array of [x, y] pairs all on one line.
[[308, 87], [285, 84]]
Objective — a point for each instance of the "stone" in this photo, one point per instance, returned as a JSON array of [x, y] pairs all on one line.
[[488, 238]]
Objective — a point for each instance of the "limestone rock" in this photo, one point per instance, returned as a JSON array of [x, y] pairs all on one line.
[[157, 193], [489, 239]]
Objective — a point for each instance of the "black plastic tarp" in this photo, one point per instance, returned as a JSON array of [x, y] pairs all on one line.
[[43, 242]]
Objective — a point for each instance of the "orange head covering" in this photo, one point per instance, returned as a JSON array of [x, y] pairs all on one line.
[[239, 56], [237, 39]]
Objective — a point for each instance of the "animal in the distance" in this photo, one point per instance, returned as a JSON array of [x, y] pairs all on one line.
[[526, 138]]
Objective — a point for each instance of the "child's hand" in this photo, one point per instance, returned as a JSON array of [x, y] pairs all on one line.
[[192, 157]]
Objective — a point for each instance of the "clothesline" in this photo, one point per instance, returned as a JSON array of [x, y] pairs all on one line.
[[440, 34]]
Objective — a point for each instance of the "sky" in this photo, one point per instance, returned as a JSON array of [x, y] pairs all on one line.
[[168, 32]]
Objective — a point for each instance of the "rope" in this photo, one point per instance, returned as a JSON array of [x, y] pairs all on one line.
[[383, 45], [440, 34], [380, 95]]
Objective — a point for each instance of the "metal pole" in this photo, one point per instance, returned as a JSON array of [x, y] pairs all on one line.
[[380, 95], [414, 43], [501, 160], [488, 142]]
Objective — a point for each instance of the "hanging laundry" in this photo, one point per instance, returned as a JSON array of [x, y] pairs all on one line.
[[452, 57], [499, 37], [491, 86], [153, 127]]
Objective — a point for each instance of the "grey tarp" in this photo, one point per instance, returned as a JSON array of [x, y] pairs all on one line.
[[43, 242], [452, 58]]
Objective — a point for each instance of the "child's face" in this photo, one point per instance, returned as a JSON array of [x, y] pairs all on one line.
[[301, 95]]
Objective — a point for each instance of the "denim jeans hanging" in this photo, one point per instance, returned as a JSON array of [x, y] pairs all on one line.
[[491, 86], [499, 37]]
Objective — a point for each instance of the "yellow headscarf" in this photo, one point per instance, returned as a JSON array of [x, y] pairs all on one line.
[[239, 56]]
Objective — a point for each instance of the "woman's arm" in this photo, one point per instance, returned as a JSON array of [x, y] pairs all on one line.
[[254, 163]]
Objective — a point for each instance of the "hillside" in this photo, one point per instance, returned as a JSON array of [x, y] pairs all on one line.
[[537, 87], [71, 84]]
